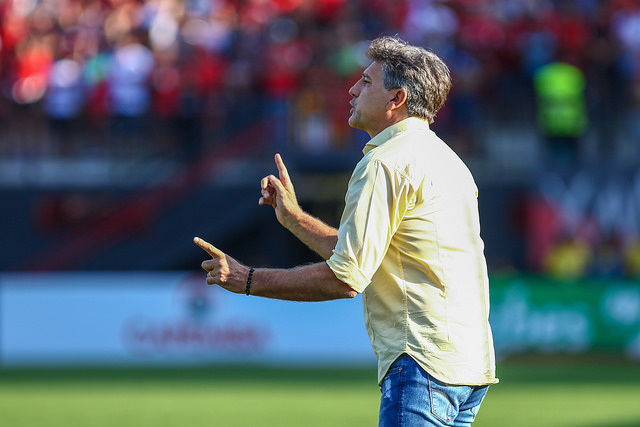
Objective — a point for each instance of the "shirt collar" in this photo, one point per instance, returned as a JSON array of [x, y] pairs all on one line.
[[391, 131]]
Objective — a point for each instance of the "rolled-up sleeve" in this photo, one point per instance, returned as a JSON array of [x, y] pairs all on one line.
[[368, 222]]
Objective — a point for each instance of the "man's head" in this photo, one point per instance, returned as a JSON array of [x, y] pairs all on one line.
[[414, 83]]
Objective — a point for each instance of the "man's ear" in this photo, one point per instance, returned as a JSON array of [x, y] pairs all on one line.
[[398, 100]]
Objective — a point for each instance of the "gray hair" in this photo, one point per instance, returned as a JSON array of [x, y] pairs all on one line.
[[421, 73]]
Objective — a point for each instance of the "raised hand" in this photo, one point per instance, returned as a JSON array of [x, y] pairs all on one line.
[[279, 193]]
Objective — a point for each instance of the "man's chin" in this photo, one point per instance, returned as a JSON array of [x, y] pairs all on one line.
[[353, 122]]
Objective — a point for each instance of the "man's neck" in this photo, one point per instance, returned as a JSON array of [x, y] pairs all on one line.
[[392, 120]]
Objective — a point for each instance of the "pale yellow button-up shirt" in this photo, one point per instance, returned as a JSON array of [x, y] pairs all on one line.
[[409, 240]]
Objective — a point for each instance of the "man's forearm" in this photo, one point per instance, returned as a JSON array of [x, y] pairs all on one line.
[[314, 282], [314, 233]]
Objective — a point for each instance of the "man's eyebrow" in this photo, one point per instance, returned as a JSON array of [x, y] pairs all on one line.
[[366, 76]]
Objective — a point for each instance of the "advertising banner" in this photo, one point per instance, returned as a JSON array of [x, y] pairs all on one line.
[[164, 318], [534, 314], [145, 318]]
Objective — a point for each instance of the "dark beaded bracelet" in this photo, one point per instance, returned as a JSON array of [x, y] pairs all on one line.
[[247, 291]]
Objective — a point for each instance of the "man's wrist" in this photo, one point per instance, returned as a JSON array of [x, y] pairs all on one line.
[[294, 220], [247, 289]]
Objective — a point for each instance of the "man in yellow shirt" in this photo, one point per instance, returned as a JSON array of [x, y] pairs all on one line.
[[409, 241]]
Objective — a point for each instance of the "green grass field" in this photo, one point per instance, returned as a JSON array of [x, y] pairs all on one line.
[[530, 394]]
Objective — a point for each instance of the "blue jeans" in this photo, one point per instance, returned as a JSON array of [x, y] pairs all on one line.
[[411, 397]]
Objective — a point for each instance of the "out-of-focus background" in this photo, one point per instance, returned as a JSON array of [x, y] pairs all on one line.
[[127, 127]]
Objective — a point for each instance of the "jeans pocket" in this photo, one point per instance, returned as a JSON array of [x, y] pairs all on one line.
[[441, 406], [445, 400]]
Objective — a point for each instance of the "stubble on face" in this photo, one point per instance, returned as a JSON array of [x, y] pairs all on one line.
[[369, 98]]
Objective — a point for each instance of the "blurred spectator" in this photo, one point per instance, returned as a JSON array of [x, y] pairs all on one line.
[[129, 92], [431, 22], [568, 259], [64, 101], [562, 116], [129, 78], [625, 23], [312, 130]]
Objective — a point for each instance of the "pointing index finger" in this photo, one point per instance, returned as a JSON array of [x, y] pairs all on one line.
[[282, 171], [208, 247]]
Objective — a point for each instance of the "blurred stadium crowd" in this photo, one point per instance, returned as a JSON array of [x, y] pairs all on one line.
[[159, 78], [121, 63]]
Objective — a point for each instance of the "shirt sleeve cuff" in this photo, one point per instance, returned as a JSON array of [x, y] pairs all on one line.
[[348, 273]]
